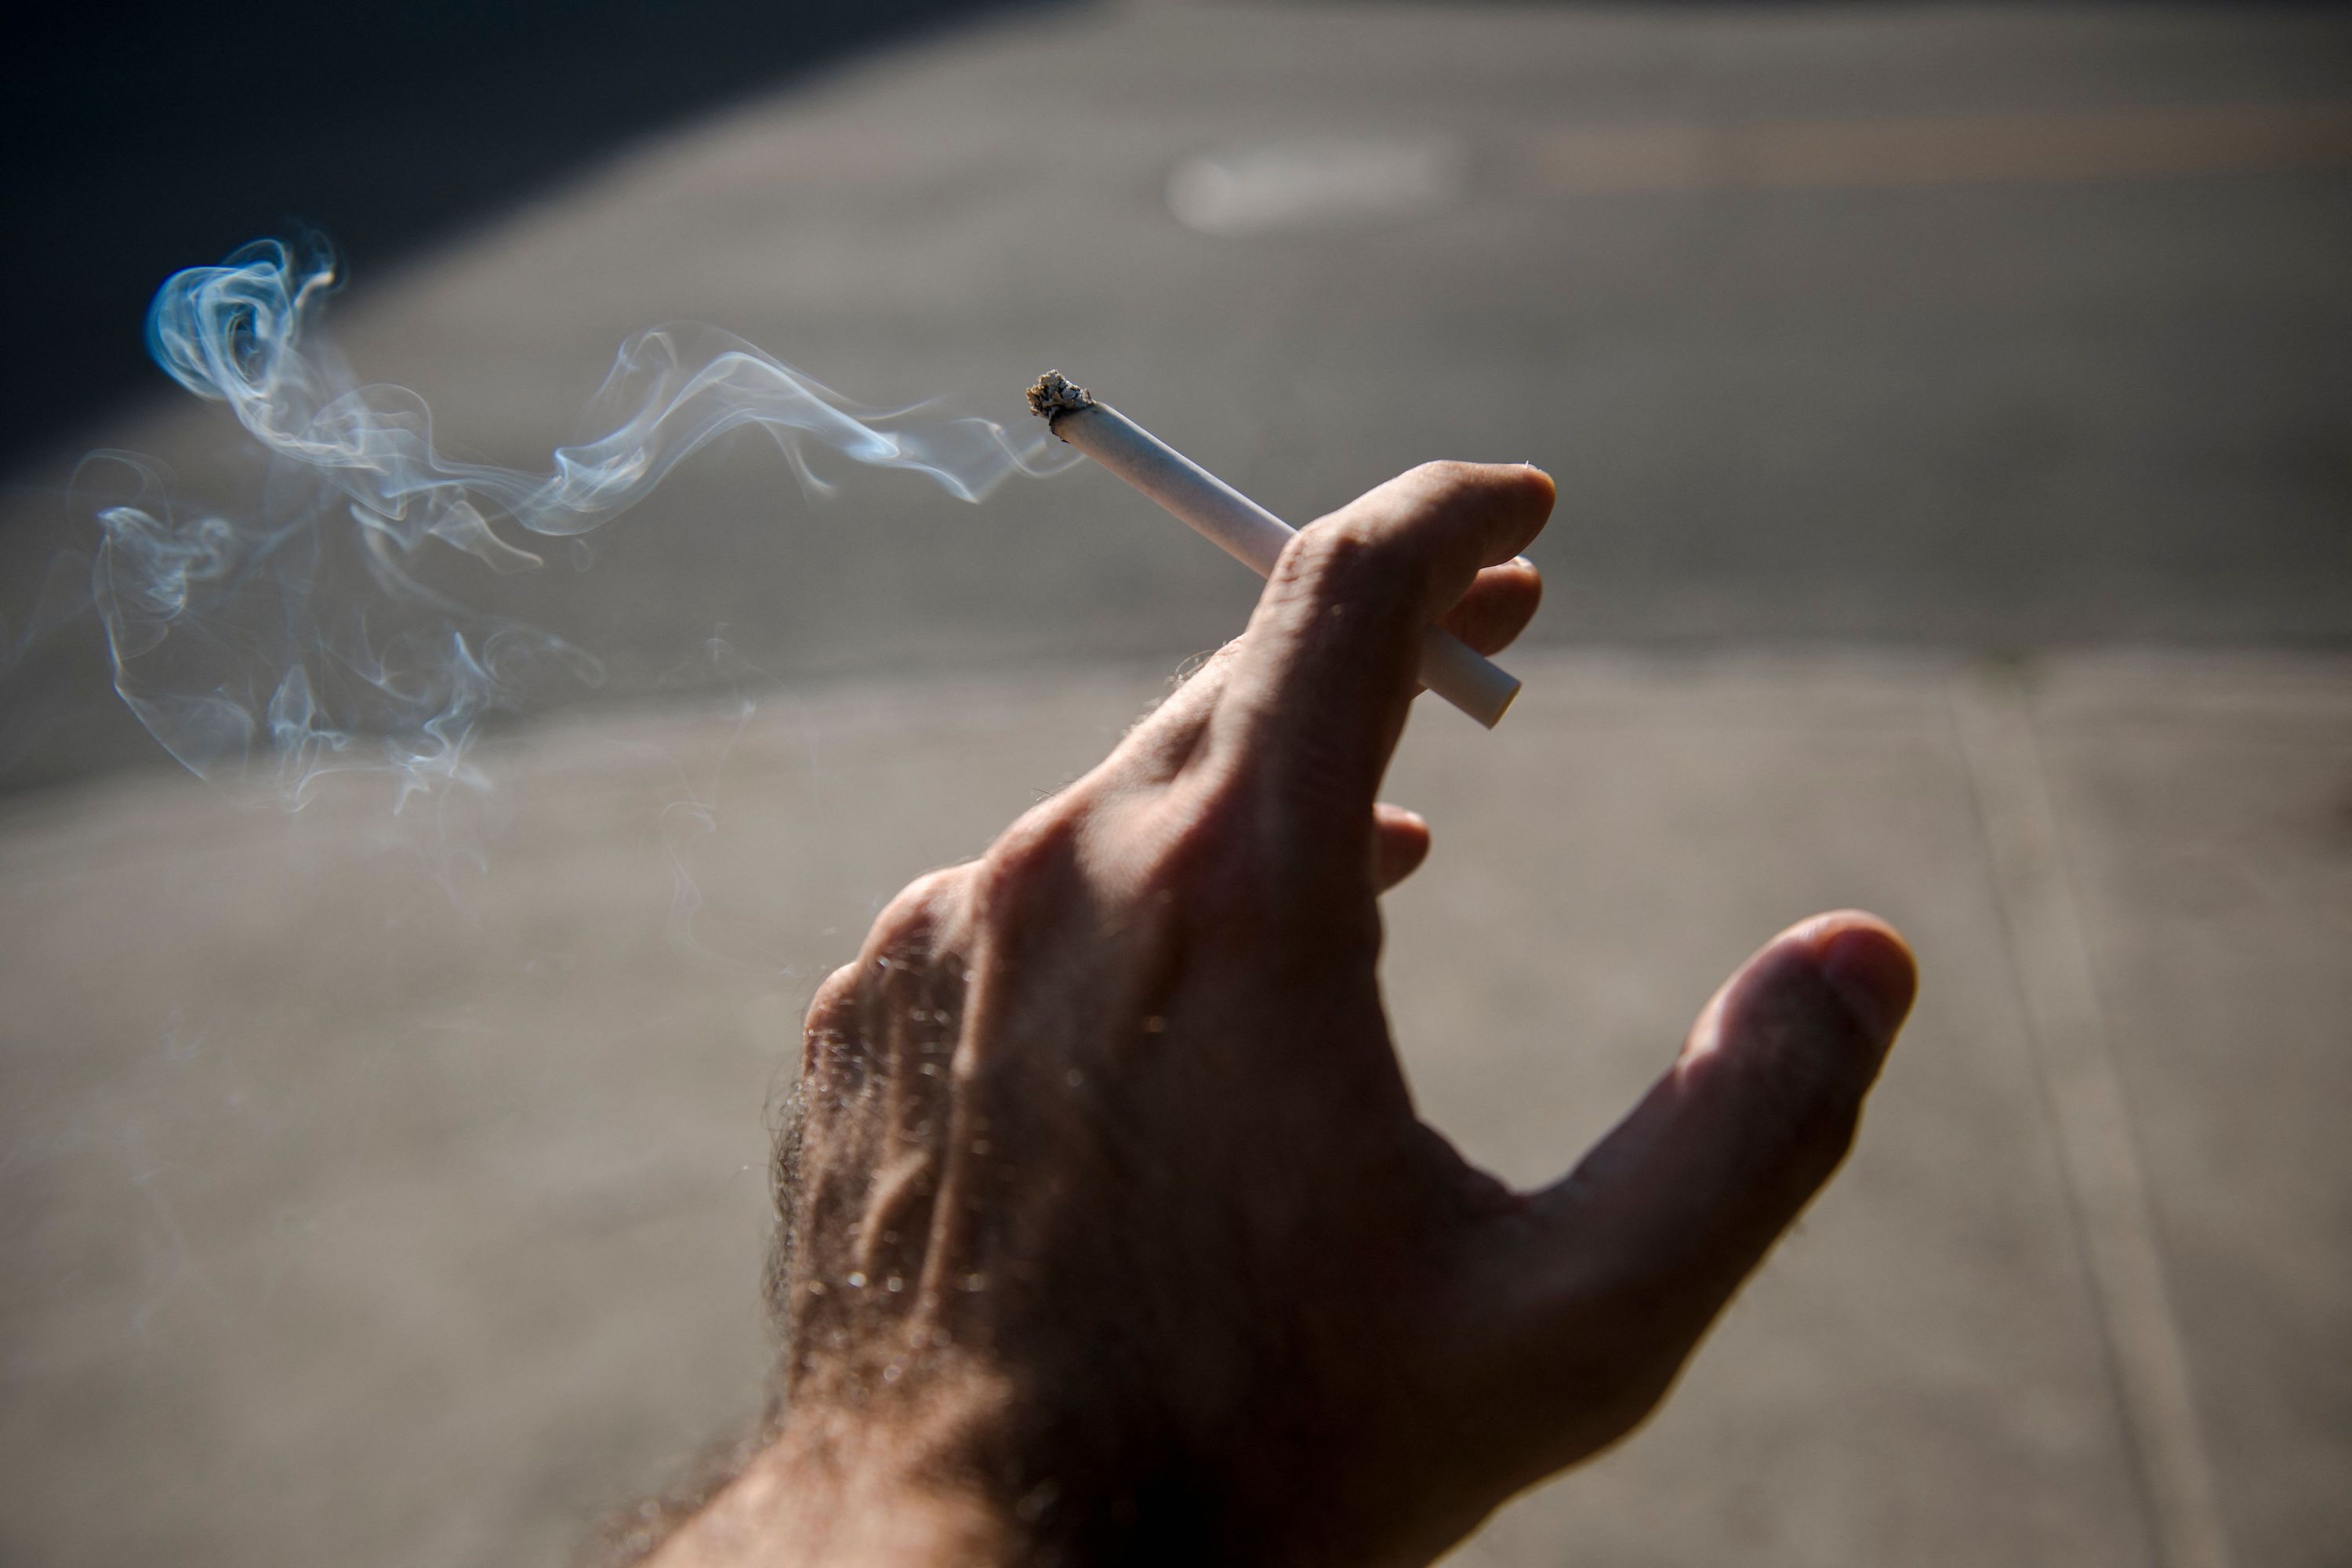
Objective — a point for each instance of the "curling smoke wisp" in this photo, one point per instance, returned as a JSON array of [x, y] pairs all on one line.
[[301, 637]]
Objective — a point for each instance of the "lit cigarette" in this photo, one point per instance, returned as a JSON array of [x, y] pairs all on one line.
[[1246, 530]]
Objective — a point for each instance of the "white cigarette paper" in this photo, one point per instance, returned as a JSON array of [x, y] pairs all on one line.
[[1244, 530]]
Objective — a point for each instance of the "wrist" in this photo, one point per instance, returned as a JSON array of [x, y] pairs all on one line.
[[864, 1484]]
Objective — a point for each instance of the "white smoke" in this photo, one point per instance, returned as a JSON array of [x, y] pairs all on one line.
[[299, 638]]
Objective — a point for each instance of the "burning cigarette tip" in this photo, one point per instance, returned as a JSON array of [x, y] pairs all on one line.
[[1058, 393]]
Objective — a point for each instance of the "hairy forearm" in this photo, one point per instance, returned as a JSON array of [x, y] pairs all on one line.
[[872, 1489]]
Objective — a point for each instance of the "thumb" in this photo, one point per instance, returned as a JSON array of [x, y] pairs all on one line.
[[1639, 1248]]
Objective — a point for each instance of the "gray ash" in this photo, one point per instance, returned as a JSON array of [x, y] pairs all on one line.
[[1058, 393]]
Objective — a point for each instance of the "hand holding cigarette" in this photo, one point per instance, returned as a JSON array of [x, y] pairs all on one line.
[[1241, 528], [1108, 1232]]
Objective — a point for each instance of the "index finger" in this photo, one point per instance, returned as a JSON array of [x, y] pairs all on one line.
[[1320, 687]]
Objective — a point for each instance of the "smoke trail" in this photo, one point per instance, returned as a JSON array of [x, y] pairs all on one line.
[[300, 638]]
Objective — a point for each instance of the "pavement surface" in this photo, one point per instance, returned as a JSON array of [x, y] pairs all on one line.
[[367, 1207], [1950, 406], [1979, 327]]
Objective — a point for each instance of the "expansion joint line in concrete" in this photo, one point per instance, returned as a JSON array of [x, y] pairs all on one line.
[[2085, 1096]]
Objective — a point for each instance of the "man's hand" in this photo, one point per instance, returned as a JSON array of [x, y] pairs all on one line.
[[1110, 1233]]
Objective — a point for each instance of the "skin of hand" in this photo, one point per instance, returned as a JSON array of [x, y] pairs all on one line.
[[1109, 1231]]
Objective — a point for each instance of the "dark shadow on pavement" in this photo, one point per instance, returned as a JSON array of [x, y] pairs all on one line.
[[144, 138]]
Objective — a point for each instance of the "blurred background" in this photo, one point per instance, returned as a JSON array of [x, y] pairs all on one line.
[[1952, 412]]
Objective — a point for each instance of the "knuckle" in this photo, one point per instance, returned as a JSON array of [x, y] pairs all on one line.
[[1345, 562], [1329, 552], [910, 924], [1027, 857], [832, 1049], [1294, 570], [835, 996]]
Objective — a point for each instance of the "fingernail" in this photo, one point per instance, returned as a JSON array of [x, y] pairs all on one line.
[[1872, 974], [1523, 561]]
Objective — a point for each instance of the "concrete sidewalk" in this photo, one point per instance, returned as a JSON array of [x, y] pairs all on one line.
[[368, 1204], [1897, 401]]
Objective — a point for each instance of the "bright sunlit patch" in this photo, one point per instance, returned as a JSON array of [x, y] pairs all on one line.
[[1308, 184]]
